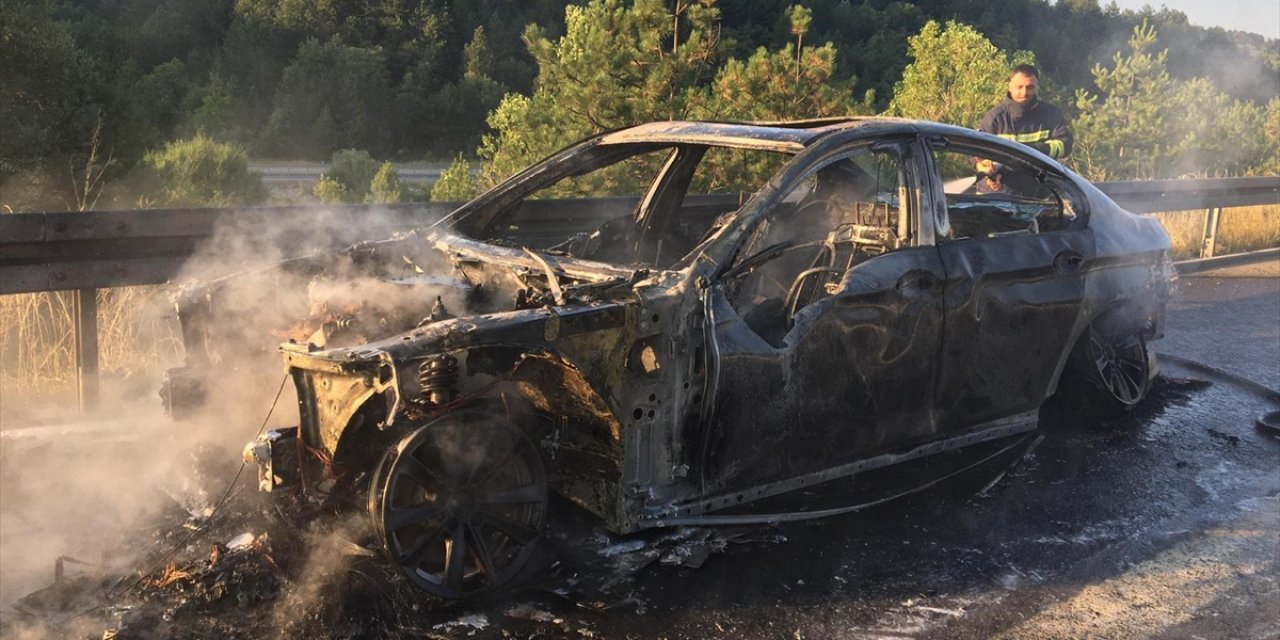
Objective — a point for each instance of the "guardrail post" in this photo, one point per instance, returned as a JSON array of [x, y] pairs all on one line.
[[86, 339], [1211, 219]]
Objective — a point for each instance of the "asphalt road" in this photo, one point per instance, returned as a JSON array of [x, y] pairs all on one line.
[[1230, 319], [1164, 523]]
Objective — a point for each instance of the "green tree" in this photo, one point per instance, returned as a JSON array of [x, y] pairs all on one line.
[[152, 103], [351, 169], [211, 110], [956, 75], [1211, 133], [801, 18], [449, 116], [313, 17], [478, 58], [456, 184], [47, 105], [331, 191], [616, 65], [1271, 131], [349, 82], [1121, 132], [385, 187], [777, 86], [201, 171]]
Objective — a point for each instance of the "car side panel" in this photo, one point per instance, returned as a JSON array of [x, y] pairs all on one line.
[[854, 379], [1012, 305]]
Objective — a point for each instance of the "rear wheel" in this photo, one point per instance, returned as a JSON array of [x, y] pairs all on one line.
[[1116, 366], [459, 505]]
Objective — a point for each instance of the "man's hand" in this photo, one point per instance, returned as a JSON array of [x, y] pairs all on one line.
[[989, 170]]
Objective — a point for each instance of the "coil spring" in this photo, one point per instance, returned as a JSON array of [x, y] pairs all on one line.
[[439, 378]]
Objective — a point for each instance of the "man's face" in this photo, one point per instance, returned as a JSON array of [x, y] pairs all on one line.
[[1022, 88]]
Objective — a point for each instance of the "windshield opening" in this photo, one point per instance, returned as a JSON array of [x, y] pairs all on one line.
[[637, 204]]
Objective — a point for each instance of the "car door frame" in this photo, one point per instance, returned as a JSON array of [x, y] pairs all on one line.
[[1012, 303], [873, 287]]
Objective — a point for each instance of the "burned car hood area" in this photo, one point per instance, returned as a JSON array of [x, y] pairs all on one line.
[[668, 323]]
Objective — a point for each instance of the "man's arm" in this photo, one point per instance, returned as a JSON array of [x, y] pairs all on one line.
[[988, 124], [1060, 140]]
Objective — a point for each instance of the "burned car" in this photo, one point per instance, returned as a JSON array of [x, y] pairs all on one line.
[[736, 311]]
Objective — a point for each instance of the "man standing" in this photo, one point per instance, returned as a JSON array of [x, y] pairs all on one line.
[[1022, 117]]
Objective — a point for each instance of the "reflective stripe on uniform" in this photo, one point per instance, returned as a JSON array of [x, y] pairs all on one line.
[[1027, 138], [1057, 148]]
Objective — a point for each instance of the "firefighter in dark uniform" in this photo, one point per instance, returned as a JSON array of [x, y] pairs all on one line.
[[1023, 117]]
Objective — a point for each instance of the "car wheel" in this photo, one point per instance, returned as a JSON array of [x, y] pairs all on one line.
[[459, 505], [1115, 365]]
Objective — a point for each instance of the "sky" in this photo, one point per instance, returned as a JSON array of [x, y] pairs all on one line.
[[1256, 16]]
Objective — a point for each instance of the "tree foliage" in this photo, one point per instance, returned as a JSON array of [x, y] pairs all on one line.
[[620, 64], [1212, 133], [385, 187], [1124, 133], [349, 177], [793, 82], [330, 191], [332, 96], [408, 78], [1271, 131], [201, 171], [1145, 124], [617, 64], [46, 98], [456, 183], [956, 75]]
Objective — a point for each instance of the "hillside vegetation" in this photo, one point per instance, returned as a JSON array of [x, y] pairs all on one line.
[[408, 79]]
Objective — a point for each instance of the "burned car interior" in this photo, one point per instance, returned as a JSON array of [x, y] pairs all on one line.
[[667, 323]]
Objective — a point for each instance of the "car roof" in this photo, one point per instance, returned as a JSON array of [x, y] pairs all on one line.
[[791, 136]]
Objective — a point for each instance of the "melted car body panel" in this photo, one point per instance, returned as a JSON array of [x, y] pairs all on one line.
[[661, 383]]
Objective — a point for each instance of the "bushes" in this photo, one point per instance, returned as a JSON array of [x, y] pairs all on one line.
[[456, 184], [385, 187], [201, 171], [348, 179], [354, 176]]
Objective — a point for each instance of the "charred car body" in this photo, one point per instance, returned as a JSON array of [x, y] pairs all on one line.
[[699, 341]]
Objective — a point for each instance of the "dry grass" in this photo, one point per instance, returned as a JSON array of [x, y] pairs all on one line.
[[1240, 229], [37, 346]]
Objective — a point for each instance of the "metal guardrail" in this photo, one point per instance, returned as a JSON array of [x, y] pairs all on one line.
[[84, 251], [1211, 194], [292, 174], [98, 249], [1151, 196], [95, 249]]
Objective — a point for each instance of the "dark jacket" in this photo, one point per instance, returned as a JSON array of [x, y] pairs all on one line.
[[1039, 125]]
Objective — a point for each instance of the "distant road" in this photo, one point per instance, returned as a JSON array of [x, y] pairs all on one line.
[[304, 173]]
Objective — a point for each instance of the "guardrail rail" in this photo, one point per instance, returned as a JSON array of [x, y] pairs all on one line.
[[85, 251]]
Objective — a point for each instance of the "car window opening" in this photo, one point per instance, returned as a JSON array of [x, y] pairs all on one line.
[[842, 215], [991, 194], [642, 205]]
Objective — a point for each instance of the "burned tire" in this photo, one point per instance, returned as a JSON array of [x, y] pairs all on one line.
[[1114, 366], [459, 505]]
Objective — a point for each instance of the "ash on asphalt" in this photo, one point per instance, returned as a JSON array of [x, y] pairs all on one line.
[[919, 565]]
